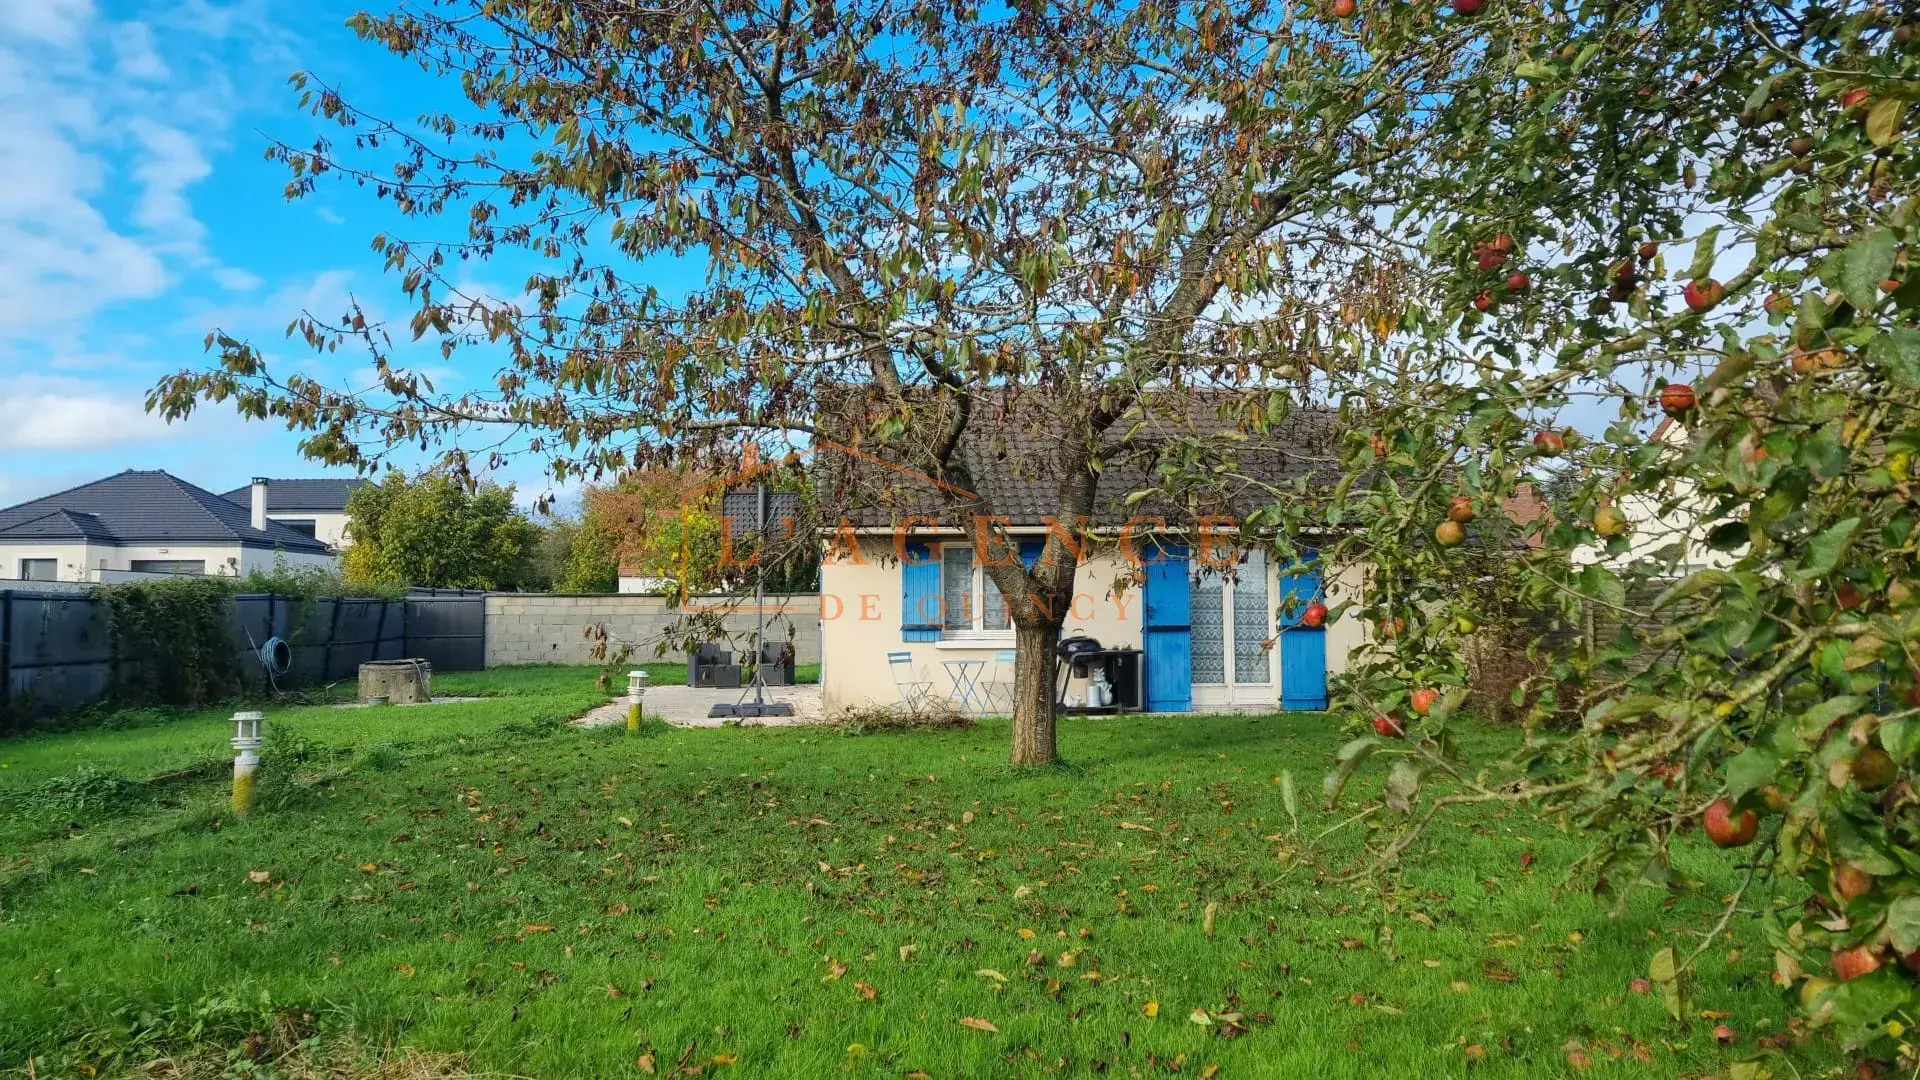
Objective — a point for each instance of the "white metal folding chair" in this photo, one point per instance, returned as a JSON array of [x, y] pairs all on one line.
[[997, 692], [914, 691]]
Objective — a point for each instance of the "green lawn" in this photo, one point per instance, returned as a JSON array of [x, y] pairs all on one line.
[[554, 902]]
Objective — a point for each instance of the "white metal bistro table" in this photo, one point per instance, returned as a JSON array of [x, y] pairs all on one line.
[[965, 675]]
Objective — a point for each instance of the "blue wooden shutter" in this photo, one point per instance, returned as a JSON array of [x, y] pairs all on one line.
[[1303, 651], [1030, 551], [1167, 631], [920, 595]]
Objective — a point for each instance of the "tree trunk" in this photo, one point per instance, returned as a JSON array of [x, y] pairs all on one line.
[[1034, 667]]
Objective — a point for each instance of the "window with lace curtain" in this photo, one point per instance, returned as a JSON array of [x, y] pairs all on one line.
[[971, 604]]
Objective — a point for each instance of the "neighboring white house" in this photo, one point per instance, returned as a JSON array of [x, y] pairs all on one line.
[[147, 522], [1674, 517], [316, 507]]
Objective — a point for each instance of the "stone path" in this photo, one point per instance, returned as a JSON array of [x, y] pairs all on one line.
[[687, 706]]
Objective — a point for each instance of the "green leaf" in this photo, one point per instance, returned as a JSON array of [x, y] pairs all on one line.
[[1403, 783], [1861, 1004], [1533, 71], [1349, 759], [1826, 714], [1825, 550], [1664, 972], [1703, 253], [1903, 921], [1883, 120], [1728, 536], [1751, 769], [1900, 738], [1897, 352], [1290, 797], [1868, 261]]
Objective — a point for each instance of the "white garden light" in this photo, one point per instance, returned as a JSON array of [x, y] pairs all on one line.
[[246, 740], [636, 690]]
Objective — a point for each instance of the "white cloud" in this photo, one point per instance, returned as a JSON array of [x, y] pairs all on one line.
[[40, 413], [110, 125], [57, 21], [134, 54], [172, 161]]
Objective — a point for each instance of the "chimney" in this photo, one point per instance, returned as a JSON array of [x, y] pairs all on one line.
[[258, 491]]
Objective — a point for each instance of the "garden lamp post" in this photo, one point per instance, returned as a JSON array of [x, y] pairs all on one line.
[[636, 690], [246, 740]]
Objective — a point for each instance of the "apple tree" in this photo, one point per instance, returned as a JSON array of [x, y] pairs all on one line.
[[1673, 254]]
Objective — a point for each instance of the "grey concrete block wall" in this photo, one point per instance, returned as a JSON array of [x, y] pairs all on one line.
[[531, 628]]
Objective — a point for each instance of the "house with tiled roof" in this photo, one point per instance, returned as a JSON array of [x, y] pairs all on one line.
[[141, 522], [316, 506], [1217, 623]]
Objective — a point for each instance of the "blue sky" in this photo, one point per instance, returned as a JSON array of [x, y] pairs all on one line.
[[137, 212]]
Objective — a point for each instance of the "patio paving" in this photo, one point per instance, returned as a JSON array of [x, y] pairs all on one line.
[[687, 706]]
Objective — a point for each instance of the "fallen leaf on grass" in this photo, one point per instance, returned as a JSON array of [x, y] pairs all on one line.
[[1136, 828], [1430, 963], [835, 969], [1206, 923], [867, 990], [725, 1059], [259, 877], [991, 974], [1209, 1072], [978, 1024], [1459, 987], [1351, 943], [645, 1063], [1724, 1035], [908, 950], [1474, 1051], [1026, 934], [1577, 1056], [89, 871], [537, 928], [1641, 986], [1152, 1009], [405, 970], [1199, 1016]]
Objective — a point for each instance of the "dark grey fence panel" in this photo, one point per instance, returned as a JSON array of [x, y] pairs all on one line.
[[56, 653], [447, 627]]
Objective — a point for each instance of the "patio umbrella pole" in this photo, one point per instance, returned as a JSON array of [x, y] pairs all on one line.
[[759, 686]]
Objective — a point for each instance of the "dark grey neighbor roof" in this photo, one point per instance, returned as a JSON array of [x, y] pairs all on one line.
[[145, 507], [1012, 446], [325, 495]]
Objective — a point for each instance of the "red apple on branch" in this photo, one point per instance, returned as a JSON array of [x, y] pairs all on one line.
[[1315, 616], [1852, 963], [1677, 399], [1703, 294], [1727, 828], [1423, 698], [1389, 726]]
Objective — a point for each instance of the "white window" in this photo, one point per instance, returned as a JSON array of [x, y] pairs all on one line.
[[970, 603], [170, 566], [39, 569]]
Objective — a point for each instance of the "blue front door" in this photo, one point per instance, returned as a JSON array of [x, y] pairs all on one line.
[[1303, 651], [1167, 632]]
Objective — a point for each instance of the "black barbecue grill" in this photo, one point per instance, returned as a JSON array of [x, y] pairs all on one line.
[[1080, 655]]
